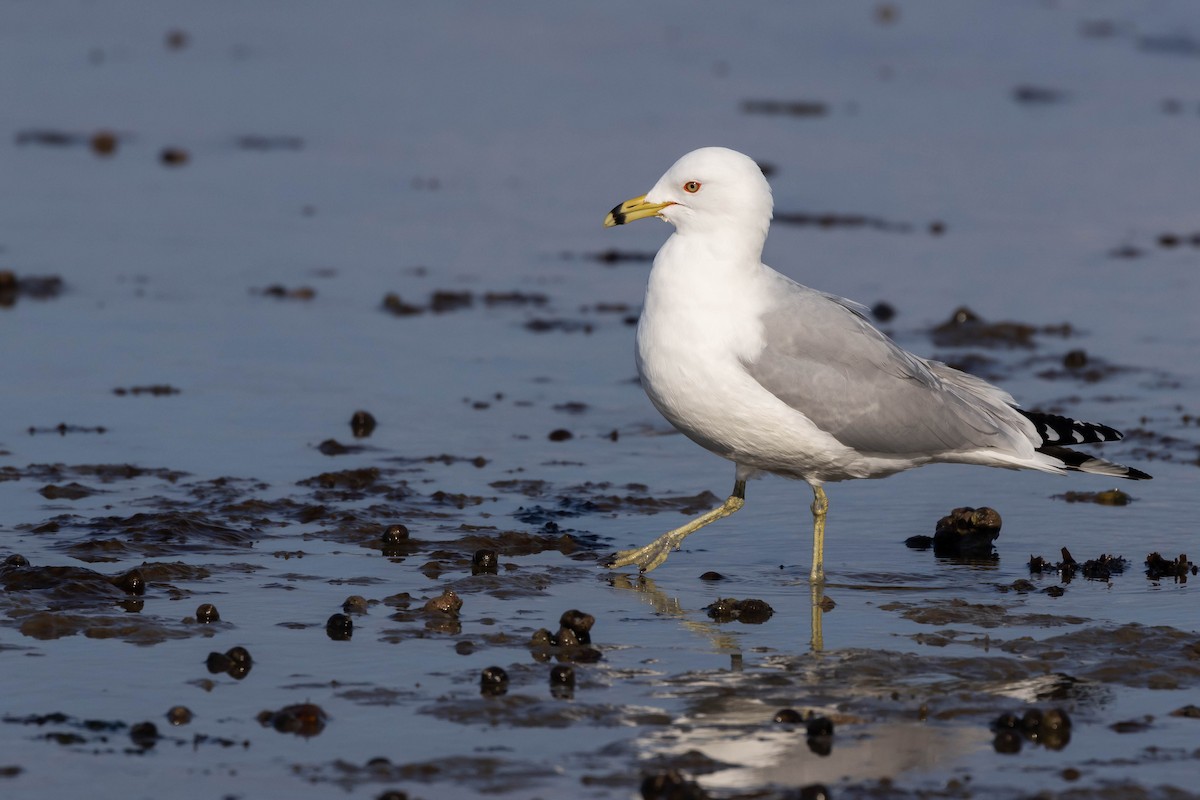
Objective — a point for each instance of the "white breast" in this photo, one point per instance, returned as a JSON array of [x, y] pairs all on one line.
[[700, 323]]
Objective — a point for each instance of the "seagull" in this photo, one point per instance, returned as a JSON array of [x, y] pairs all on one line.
[[783, 379]]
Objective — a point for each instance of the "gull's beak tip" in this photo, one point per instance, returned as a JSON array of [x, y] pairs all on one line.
[[635, 208]]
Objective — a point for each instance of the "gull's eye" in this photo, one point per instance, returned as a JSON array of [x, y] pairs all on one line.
[[691, 187]]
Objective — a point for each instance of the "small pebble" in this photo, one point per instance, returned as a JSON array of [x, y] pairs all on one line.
[[131, 582], [493, 681], [484, 562], [562, 675], [560, 435], [104, 143], [362, 424], [819, 726], [788, 716], [1055, 720], [814, 791], [174, 156], [712, 576], [16, 560], [238, 655], [206, 613], [144, 734], [355, 604], [1006, 721], [339, 627], [578, 623], [240, 662], [176, 39], [670, 785], [562, 682], [179, 715], [218, 662], [446, 603], [1007, 741], [1075, 359], [394, 534], [302, 719]]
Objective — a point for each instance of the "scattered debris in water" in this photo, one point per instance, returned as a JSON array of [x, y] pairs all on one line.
[[263, 143], [332, 447], [965, 328], [32, 287], [302, 719], [1050, 729], [1179, 568], [155, 390], [570, 644], [1101, 568], [829, 220], [963, 533], [671, 785], [790, 108], [750, 611], [235, 662], [613, 256], [1109, 497], [1027, 94], [281, 292], [62, 429]]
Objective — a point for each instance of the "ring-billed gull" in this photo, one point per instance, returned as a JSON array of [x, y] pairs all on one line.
[[780, 378]]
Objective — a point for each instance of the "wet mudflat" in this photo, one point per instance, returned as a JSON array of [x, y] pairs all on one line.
[[227, 233]]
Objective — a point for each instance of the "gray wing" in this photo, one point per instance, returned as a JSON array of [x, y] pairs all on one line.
[[825, 360]]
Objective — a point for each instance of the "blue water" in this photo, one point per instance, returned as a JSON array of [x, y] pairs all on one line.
[[476, 148]]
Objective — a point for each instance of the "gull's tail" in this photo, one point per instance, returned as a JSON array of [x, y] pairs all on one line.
[[1057, 431]]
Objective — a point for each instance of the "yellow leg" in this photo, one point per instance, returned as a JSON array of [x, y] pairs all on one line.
[[820, 505], [652, 555], [817, 634]]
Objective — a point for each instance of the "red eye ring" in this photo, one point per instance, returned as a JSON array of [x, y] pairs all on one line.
[[691, 187]]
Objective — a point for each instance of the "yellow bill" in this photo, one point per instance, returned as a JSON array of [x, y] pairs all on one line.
[[637, 208]]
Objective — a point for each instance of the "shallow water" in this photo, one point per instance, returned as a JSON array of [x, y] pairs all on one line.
[[419, 149]]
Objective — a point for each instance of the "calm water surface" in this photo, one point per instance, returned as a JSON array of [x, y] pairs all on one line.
[[416, 149]]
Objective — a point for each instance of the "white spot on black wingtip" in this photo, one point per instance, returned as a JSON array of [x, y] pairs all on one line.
[[1053, 428]]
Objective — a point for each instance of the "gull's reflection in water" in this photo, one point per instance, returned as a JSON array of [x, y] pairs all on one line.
[[728, 716], [662, 603]]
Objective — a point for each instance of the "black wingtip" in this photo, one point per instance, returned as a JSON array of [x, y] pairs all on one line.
[[1086, 462]]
